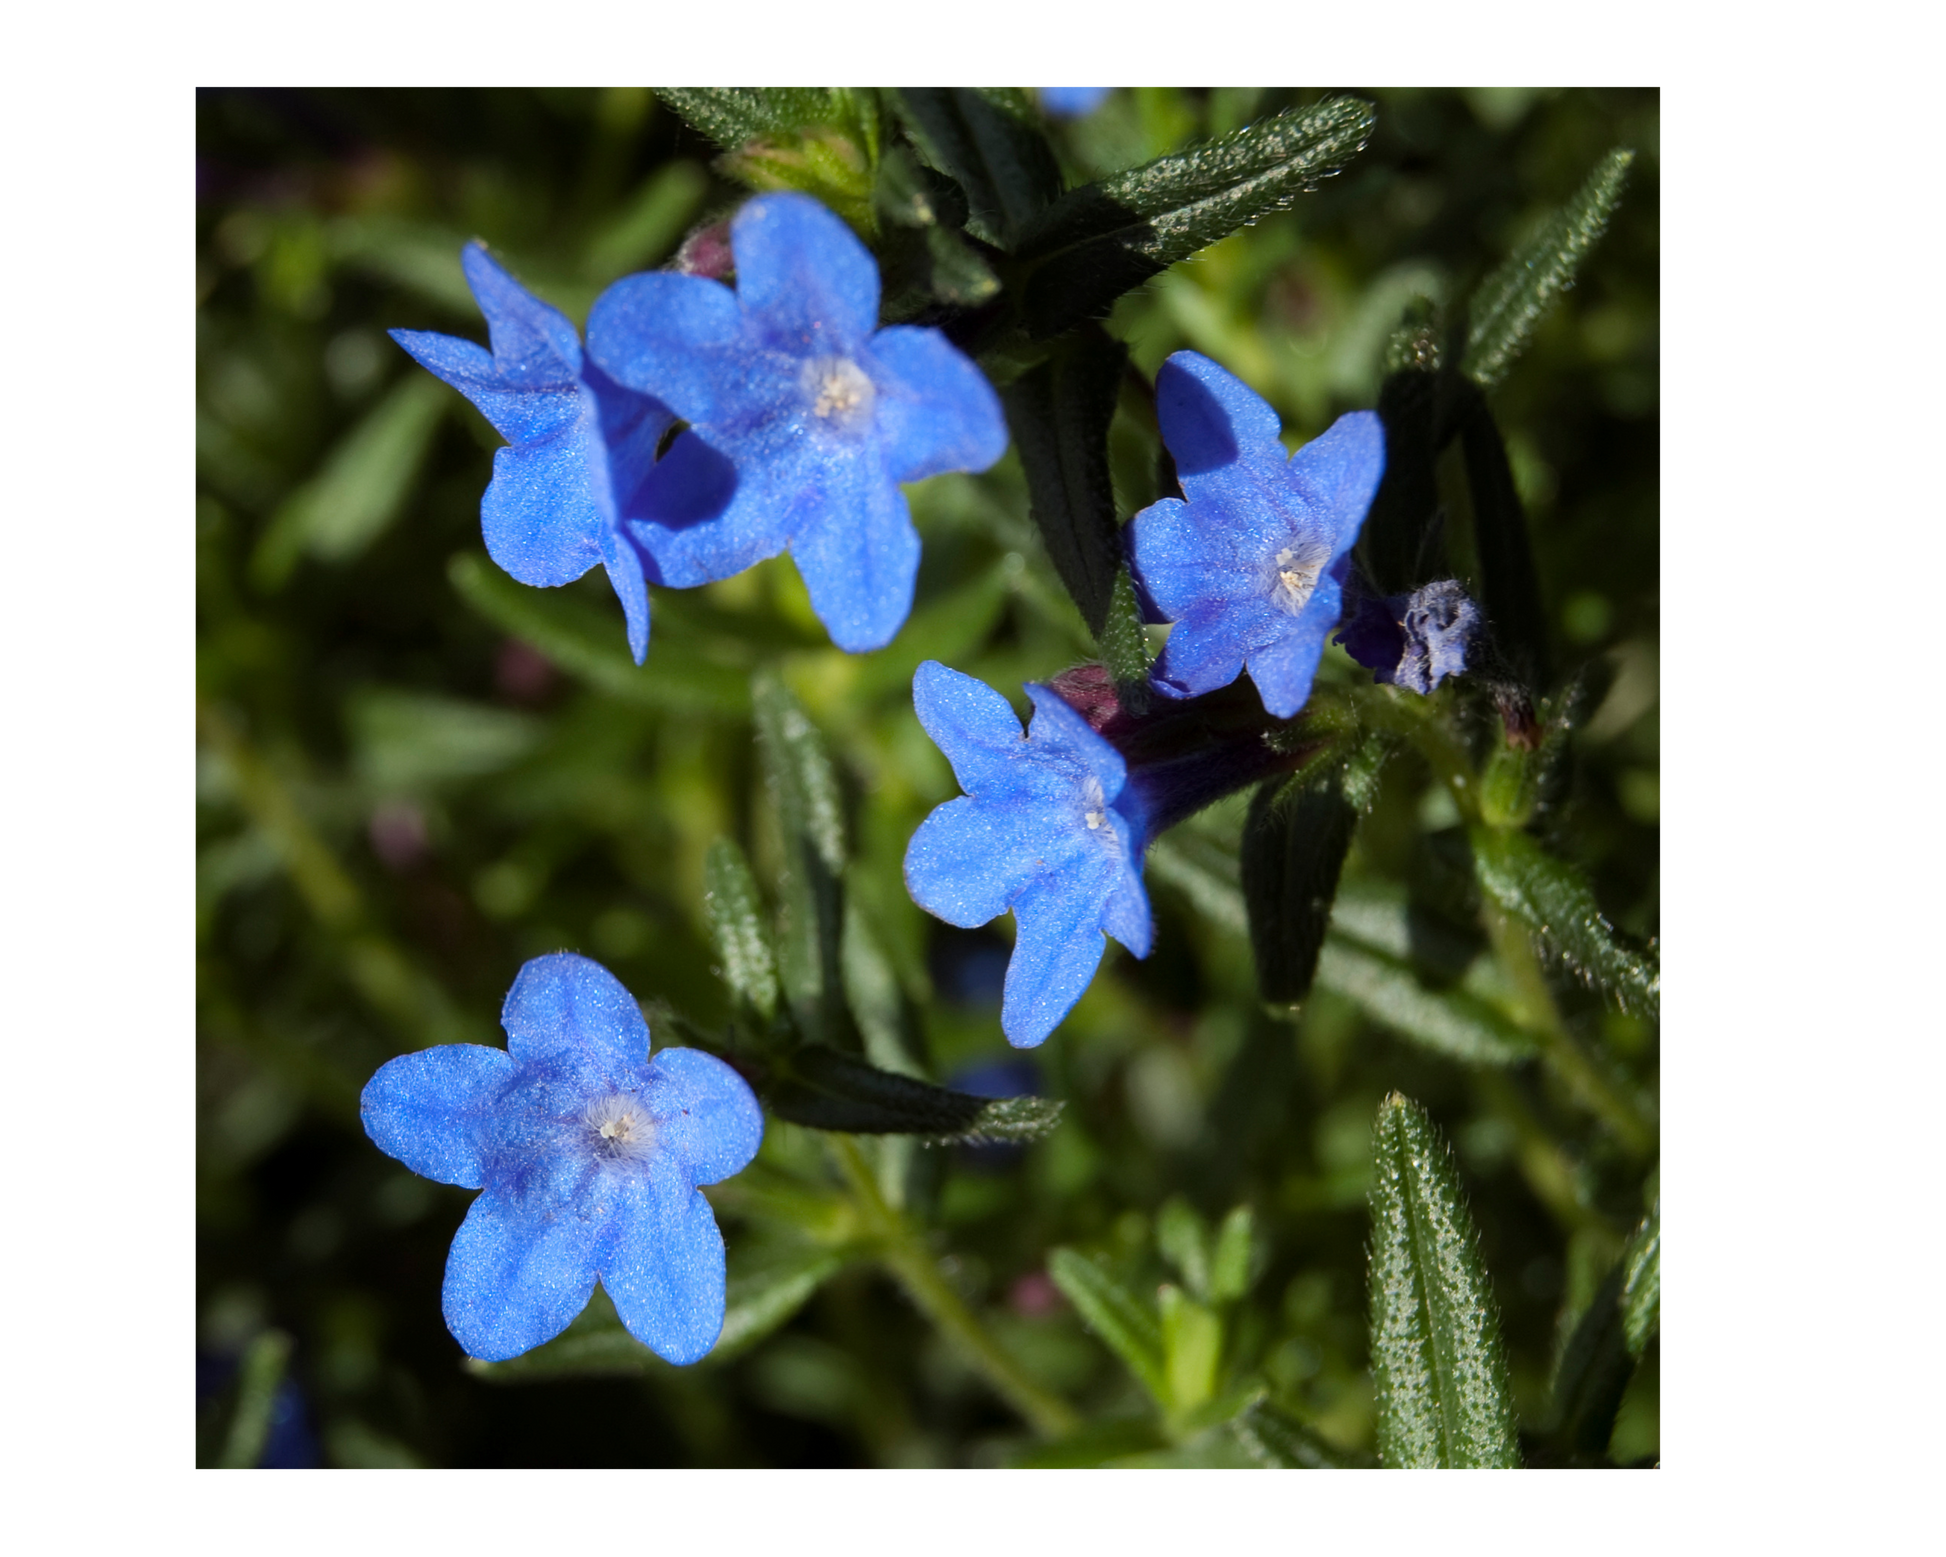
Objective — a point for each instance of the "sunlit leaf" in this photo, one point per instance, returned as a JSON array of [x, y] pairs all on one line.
[[1451, 1022], [737, 926], [989, 143], [1124, 1321]]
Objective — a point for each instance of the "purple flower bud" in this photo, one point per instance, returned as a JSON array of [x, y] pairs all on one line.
[[1413, 641]]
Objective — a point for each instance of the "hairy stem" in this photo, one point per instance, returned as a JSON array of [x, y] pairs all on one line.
[[906, 1256]]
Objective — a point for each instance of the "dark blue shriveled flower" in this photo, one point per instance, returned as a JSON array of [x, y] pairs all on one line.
[[589, 1153], [820, 413], [1073, 102], [1049, 826], [1414, 641], [581, 448], [1251, 568]]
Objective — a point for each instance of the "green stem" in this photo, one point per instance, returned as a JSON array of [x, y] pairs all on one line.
[[1419, 720], [1577, 1070], [905, 1254]]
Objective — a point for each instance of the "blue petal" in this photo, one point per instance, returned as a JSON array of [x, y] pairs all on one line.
[[1210, 418], [664, 1266], [624, 564], [534, 345], [518, 414], [936, 411], [805, 281], [1337, 475], [669, 336], [1127, 916], [518, 1273], [1056, 951], [1061, 728], [1283, 670], [423, 1109], [567, 1011], [541, 517], [972, 724], [969, 860], [1204, 651], [706, 1114], [700, 522], [853, 542]]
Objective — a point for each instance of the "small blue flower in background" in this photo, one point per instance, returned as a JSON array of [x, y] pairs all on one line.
[[1072, 102], [581, 447], [820, 413], [1251, 568], [1049, 827], [589, 1153], [1414, 641]]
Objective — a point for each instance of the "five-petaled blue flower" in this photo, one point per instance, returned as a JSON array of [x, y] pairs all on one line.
[[589, 1153], [1049, 826], [1416, 640], [820, 413], [1251, 568], [581, 450]]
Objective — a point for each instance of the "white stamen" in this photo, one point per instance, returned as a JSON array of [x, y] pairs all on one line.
[[1094, 804], [838, 391], [622, 1126], [1295, 574]]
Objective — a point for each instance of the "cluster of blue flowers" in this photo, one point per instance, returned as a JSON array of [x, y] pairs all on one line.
[[802, 419], [795, 419]]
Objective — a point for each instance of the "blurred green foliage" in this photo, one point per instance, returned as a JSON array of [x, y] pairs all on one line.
[[415, 773]]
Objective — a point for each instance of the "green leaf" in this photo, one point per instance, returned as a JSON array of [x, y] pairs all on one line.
[[1401, 544], [1450, 1022], [1192, 1346], [1099, 241], [1295, 839], [737, 927], [1232, 1266], [1437, 1358], [1127, 1324], [878, 1002], [987, 142], [1513, 300], [1183, 1238], [1509, 586], [1607, 1342], [828, 1089], [588, 642], [258, 1376], [1059, 413], [360, 489], [821, 140], [413, 742], [649, 225], [1277, 1440], [1203, 872], [804, 788], [732, 115], [1099, 1443], [1555, 903]]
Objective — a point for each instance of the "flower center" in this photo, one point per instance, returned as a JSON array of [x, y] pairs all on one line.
[[1094, 804], [839, 392], [1294, 575], [621, 1125]]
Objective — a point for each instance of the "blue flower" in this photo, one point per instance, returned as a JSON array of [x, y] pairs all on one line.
[[1049, 826], [1251, 567], [1072, 102], [589, 1153], [821, 414], [1413, 641], [581, 451]]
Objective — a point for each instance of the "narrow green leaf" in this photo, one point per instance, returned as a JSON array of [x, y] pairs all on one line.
[[1099, 1443], [1124, 1322], [359, 490], [1641, 1298], [878, 1003], [649, 225], [413, 742], [828, 1089], [1277, 1440], [804, 788], [1183, 1238], [1192, 1345], [588, 642], [1437, 1358], [1097, 242], [732, 115], [258, 1376], [991, 146], [1509, 586], [1507, 306], [1554, 902], [1608, 1340], [1232, 1266], [1400, 544], [737, 927], [1295, 839], [1450, 1022]]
